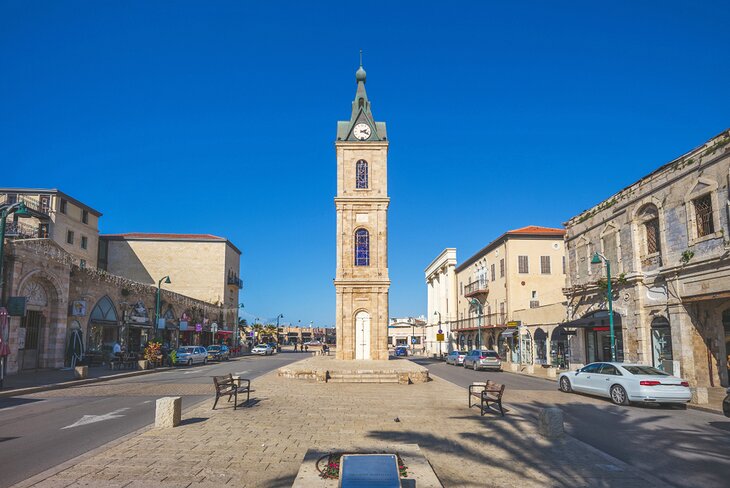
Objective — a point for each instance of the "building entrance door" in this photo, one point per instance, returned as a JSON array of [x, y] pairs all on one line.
[[362, 335], [33, 325]]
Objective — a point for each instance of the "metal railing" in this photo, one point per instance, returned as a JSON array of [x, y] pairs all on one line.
[[476, 287], [488, 320], [20, 230], [32, 203]]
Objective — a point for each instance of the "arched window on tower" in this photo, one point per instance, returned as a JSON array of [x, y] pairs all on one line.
[[361, 102], [362, 247], [361, 170]]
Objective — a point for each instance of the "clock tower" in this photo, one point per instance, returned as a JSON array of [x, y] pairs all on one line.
[[361, 281]]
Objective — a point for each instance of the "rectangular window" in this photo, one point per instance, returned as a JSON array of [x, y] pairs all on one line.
[[82, 263], [84, 242], [703, 215], [85, 216], [70, 237], [652, 236], [493, 275], [45, 203], [502, 318], [501, 268], [545, 265], [63, 205], [12, 198], [43, 231], [563, 264], [523, 265]]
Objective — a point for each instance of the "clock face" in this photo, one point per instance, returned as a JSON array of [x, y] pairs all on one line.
[[361, 131]]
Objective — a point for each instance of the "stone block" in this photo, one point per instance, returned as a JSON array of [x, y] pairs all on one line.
[[81, 372], [530, 369], [514, 367], [143, 364], [550, 423], [699, 396], [168, 412], [552, 373]]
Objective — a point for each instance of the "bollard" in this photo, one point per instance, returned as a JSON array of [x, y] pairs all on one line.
[[699, 396], [552, 373], [81, 372], [143, 364], [514, 367], [550, 423], [530, 369], [168, 411]]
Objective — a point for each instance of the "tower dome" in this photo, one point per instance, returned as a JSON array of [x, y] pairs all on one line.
[[360, 75]]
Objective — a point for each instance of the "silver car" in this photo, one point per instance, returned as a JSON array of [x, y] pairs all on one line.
[[190, 355], [477, 359], [456, 358]]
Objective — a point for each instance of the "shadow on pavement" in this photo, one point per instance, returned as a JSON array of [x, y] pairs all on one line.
[[11, 402], [193, 420]]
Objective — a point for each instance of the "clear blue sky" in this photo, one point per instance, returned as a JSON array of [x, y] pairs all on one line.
[[220, 117]]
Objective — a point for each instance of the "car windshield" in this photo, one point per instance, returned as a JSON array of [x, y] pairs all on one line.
[[645, 370], [214, 348], [184, 350]]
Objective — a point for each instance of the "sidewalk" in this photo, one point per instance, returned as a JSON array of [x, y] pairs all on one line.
[[35, 381], [715, 395], [263, 444]]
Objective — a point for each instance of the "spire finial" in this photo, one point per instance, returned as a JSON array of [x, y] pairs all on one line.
[[361, 58], [360, 73]]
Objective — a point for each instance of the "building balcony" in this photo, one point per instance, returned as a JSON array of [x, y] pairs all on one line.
[[39, 207], [472, 323], [476, 289], [21, 230], [234, 280]]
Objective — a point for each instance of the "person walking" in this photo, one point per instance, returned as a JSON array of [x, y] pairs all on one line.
[[306, 348], [295, 347]]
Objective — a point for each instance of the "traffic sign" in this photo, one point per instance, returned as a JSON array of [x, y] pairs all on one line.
[[440, 337]]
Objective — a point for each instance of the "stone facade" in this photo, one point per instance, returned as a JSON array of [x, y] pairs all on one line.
[[361, 280], [666, 238], [441, 288], [63, 297], [200, 266]]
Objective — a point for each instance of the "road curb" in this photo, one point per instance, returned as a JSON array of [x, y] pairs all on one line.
[[72, 383]]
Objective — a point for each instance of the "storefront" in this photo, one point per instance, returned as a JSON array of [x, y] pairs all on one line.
[[540, 342], [596, 329], [104, 330], [560, 347]]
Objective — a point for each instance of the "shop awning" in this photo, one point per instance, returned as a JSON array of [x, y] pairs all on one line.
[[590, 322]]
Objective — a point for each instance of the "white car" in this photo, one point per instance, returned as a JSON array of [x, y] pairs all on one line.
[[624, 383], [263, 349]]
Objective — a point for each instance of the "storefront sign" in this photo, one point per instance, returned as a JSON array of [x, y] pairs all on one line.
[[78, 308], [16, 306], [139, 313], [161, 323], [183, 325], [514, 323]]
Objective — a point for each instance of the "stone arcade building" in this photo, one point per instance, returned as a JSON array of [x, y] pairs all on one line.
[[361, 281], [666, 237]]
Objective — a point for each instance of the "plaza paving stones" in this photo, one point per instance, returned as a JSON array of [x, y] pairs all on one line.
[[264, 443]]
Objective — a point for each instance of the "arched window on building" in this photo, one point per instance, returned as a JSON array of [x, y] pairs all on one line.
[[362, 247], [661, 342], [361, 169]]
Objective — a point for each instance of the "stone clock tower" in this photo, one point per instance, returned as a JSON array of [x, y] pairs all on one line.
[[362, 281]]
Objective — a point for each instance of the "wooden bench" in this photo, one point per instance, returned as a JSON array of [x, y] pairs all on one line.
[[227, 385], [487, 393]]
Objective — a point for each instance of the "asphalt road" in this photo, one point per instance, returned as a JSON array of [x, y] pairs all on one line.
[[682, 447], [42, 430]]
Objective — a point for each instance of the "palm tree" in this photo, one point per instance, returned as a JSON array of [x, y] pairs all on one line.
[[272, 331], [257, 328]]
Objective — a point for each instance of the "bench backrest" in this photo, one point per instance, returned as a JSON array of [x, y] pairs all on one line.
[[223, 380], [495, 389]]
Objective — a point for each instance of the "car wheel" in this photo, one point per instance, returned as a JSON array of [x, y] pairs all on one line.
[[565, 385], [475, 367], [618, 395], [190, 362]]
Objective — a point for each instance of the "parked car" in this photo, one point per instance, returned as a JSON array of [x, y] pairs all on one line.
[[401, 351], [624, 383], [219, 353], [456, 358], [726, 404], [477, 360], [263, 349], [190, 355]]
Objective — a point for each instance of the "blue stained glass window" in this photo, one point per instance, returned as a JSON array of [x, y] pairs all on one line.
[[361, 169], [362, 248]]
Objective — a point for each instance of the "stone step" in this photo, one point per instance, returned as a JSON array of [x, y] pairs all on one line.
[[365, 379]]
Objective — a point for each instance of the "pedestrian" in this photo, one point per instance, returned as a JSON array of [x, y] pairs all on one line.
[[306, 348], [295, 347], [116, 348]]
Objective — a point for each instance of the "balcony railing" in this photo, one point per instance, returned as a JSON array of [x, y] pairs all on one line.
[[235, 281], [38, 208], [478, 287], [488, 320], [20, 230]]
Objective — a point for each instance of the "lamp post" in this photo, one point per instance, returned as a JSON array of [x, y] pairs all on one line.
[[19, 210], [237, 345], [439, 329], [597, 258], [167, 281], [476, 303]]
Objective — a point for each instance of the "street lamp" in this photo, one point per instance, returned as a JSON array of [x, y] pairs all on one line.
[[439, 329], [167, 281], [476, 303], [597, 258], [19, 210]]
